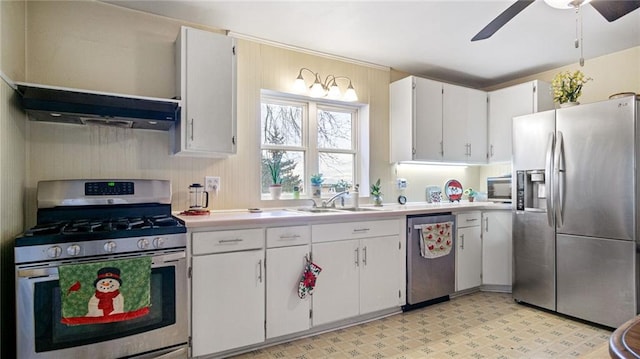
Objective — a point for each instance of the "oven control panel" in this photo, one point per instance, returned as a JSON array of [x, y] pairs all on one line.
[[111, 188]]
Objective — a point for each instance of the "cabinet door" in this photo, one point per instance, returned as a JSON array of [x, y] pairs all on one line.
[[208, 92], [504, 105], [497, 248], [228, 308], [476, 126], [427, 127], [286, 312], [455, 108], [468, 258], [379, 273], [336, 295]]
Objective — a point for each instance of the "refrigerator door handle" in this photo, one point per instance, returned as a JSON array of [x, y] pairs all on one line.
[[547, 178], [559, 177]]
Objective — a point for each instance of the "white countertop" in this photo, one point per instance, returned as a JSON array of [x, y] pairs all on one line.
[[290, 216]]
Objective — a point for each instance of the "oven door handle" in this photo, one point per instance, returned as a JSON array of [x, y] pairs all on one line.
[[38, 272], [157, 261]]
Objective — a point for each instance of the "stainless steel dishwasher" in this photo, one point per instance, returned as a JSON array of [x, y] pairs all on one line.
[[430, 279]]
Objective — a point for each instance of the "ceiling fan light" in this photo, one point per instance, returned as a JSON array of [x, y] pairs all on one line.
[[566, 4]]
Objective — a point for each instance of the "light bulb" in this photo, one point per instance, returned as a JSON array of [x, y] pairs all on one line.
[[316, 90], [298, 85], [334, 91], [350, 95]]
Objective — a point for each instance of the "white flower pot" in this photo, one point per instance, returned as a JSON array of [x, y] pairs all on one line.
[[569, 104], [276, 191]]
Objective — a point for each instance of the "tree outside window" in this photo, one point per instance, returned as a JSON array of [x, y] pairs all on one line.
[[305, 138]]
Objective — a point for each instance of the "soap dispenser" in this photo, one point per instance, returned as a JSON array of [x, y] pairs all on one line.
[[356, 196]]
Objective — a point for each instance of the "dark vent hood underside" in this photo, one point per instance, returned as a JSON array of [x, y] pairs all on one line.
[[83, 107]]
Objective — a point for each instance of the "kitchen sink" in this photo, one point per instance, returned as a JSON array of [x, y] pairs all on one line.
[[359, 209], [317, 210], [333, 210]]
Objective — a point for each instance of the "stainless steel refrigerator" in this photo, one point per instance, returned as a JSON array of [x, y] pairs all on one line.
[[575, 226]]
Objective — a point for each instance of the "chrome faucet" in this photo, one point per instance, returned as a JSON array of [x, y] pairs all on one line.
[[314, 205], [331, 201]]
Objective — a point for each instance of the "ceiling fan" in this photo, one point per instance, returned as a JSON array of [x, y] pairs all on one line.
[[610, 9]]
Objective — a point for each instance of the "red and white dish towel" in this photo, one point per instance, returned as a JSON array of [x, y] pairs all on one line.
[[308, 281], [435, 239]]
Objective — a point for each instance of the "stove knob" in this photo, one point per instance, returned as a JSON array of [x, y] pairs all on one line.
[[143, 243], [54, 252], [110, 246], [73, 250], [158, 242]]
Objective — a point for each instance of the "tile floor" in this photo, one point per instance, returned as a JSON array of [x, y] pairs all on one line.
[[479, 325]]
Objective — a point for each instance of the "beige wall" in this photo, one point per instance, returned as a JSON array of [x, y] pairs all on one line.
[[12, 162], [101, 47]]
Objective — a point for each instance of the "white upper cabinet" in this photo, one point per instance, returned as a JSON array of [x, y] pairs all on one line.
[[415, 119], [507, 103], [433, 121], [206, 84], [464, 124]]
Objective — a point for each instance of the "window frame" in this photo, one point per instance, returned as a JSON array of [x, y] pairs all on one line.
[[309, 146]]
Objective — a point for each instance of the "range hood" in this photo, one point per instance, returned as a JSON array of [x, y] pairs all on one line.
[[84, 107]]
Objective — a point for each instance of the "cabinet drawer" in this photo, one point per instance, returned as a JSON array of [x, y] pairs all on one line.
[[287, 236], [351, 230], [468, 219], [227, 241]]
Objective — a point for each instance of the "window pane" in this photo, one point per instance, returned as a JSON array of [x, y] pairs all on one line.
[[281, 124], [291, 165], [337, 168], [334, 130]]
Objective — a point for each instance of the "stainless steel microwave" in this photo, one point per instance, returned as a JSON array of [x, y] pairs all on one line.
[[499, 189]]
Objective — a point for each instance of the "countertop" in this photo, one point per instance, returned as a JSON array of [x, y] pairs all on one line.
[[293, 216]]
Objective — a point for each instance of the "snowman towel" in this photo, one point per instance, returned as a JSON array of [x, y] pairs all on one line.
[[105, 292], [435, 239]]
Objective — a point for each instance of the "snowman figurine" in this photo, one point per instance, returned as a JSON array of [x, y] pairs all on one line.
[[107, 299]]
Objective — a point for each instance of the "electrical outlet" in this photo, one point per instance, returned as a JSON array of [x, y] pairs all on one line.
[[212, 184], [401, 183]]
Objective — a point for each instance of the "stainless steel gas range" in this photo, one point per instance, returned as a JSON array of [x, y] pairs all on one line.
[[103, 273]]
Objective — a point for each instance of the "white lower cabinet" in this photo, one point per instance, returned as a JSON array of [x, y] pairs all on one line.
[[468, 251], [497, 255], [361, 265], [337, 294], [287, 251], [228, 302]]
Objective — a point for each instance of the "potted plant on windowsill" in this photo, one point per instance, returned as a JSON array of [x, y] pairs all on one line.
[[275, 188], [376, 193], [316, 185], [341, 186]]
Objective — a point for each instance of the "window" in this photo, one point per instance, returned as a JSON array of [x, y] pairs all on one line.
[[301, 138]]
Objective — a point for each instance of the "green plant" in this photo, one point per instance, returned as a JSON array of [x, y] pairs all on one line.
[[274, 171], [342, 185], [567, 86], [470, 192], [317, 179], [376, 189]]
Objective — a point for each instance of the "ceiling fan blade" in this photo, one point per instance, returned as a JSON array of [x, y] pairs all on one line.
[[502, 19], [612, 10]]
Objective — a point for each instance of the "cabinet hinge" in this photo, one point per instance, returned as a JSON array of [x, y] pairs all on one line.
[[400, 245], [233, 140], [189, 272], [233, 50], [265, 325], [310, 313], [399, 294], [189, 342], [534, 89]]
